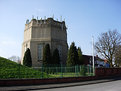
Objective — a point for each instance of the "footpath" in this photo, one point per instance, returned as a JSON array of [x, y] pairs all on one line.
[[60, 85]]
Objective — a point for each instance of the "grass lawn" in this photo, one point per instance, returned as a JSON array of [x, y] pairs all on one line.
[[67, 74], [10, 69]]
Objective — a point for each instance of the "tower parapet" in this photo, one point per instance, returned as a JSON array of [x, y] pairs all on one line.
[[37, 33], [45, 22]]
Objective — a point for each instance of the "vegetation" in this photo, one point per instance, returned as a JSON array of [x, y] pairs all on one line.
[[72, 58], [83, 71], [46, 55], [80, 56], [10, 69], [27, 61], [107, 45], [56, 57], [118, 57], [15, 58]]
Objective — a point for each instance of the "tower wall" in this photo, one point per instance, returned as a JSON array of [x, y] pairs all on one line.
[[40, 32]]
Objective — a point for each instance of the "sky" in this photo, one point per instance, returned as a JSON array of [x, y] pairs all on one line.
[[83, 18]]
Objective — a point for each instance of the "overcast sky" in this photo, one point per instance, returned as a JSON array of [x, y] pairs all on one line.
[[84, 19]]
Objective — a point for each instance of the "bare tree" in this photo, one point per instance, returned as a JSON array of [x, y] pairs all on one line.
[[118, 57], [15, 59], [107, 44]]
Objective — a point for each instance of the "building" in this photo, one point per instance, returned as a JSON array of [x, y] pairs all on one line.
[[37, 33], [98, 61]]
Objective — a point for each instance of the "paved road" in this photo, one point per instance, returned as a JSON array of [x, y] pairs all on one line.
[[107, 86], [112, 84]]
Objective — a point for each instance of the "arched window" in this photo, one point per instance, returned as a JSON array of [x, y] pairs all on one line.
[[40, 52], [60, 51]]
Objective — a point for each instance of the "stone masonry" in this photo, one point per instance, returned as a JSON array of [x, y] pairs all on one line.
[[37, 33]]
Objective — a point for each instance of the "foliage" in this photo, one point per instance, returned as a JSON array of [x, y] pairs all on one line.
[[72, 58], [80, 56], [83, 70], [56, 57], [46, 55], [107, 44], [69, 71], [10, 69], [76, 58], [27, 61]]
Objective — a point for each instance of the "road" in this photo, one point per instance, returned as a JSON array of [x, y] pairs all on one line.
[[111, 84], [107, 86]]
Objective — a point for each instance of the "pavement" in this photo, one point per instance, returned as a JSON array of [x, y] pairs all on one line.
[[50, 86], [106, 86]]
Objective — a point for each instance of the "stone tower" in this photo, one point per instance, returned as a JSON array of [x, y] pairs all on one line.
[[37, 33]]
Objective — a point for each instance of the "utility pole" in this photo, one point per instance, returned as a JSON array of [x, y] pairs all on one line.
[[93, 61]]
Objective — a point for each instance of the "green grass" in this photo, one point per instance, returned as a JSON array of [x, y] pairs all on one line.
[[70, 74], [10, 69]]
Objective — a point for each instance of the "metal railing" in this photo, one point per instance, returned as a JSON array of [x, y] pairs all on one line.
[[51, 71]]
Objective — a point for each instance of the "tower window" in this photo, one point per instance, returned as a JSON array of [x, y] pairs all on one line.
[[60, 50], [40, 52]]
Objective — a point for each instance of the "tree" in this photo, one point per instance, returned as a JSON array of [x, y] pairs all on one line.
[[80, 56], [56, 57], [76, 57], [72, 58], [46, 55], [15, 59], [107, 45], [27, 61], [118, 56]]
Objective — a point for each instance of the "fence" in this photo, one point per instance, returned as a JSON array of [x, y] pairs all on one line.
[[99, 74], [63, 71], [45, 71]]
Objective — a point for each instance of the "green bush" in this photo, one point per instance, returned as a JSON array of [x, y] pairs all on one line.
[[27, 61], [83, 70]]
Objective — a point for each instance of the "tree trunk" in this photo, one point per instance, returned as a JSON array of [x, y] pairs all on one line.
[[111, 65]]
